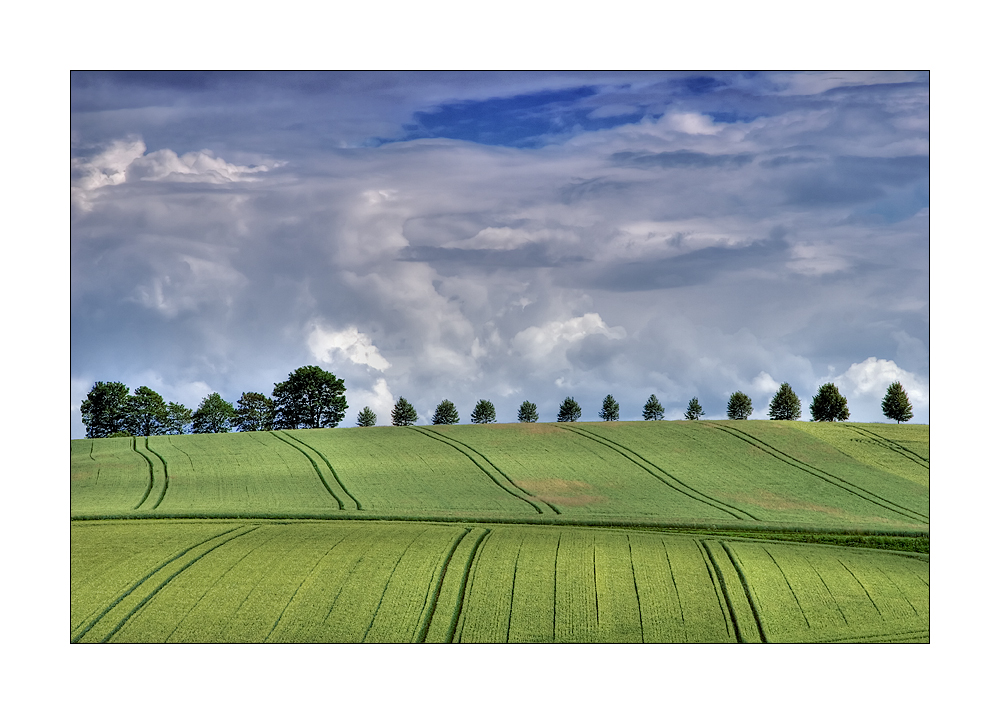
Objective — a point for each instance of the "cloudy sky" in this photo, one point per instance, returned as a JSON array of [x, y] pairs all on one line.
[[506, 236]]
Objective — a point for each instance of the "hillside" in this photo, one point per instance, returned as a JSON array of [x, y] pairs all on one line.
[[583, 532]]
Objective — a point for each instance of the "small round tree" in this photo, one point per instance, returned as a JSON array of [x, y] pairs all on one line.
[[366, 417], [740, 406], [694, 410], [896, 404], [403, 414], [254, 412], [569, 410], [445, 413], [653, 411], [214, 415], [484, 412], [829, 404], [609, 409], [527, 412], [785, 404]]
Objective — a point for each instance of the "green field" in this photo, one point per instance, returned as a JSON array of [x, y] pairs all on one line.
[[588, 532]]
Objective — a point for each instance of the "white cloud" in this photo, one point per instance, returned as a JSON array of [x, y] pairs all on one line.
[[355, 345], [690, 123], [812, 259], [764, 384], [537, 343], [873, 376], [379, 399]]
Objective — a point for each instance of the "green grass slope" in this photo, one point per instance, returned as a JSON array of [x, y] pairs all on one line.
[[356, 581]]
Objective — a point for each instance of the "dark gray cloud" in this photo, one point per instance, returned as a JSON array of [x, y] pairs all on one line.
[[687, 234]]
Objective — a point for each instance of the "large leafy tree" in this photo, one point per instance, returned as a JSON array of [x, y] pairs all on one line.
[[254, 412], [527, 412], [147, 413], [785, 404], [609, 409], [694, 410], [311, 398], [105, 410], [896, 404], [569, 410], [739, 407], [829, 404], [214, 415], [403, 414], [653, 411], [484, 412], [179, 419], [445, 413], [366, 417]]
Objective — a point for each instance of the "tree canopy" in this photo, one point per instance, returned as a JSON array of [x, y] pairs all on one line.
[[740, 406], [896, 404], [829, 404], [214, 415], [527, 412], [484, 412], [653, 411], [105, 410], [785, 404], [569, 410], [403, 414], [254, 412], [311, 398], [609, 409], [147, 413], [179, 419], [694, 410], [366, 417], [445, 413]]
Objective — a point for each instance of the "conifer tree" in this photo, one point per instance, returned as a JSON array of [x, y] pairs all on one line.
[[740, 406], [694, 410], [366, 417], [528, 412], [785, 404], [653, 411], [569, 410], [147, 413], [609, 410], [829, 404], [179, 419], [403, 414], [896, 404], [484, 412], [445, 413]]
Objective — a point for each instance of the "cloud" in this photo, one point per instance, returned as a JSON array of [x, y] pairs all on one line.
[[872, 377], [379, 399], [682, 158], [551, 340], [355, 345]]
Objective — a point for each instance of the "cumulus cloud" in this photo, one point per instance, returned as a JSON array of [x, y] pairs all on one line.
[[552, 339], [871, 378], [354, 345], [378, 398]]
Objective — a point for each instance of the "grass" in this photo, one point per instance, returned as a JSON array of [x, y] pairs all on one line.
[[587, 532]]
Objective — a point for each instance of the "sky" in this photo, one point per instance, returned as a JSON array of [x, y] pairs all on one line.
[[503, 236]]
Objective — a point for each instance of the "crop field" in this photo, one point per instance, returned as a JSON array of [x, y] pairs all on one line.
[[390, 582], [620, 532]]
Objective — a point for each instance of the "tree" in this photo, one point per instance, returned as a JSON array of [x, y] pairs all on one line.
[[147, 413], [311, 398], [896, 404], [569, 410], [179, 419], [484, 412], [527, 412], [445, 413], [105, 410], [740, 406], [214, 415], [254, 412], [829, 404], [694, 410], [653, 411], [785, 404], [403, 414], [366, 417], [609, 409]]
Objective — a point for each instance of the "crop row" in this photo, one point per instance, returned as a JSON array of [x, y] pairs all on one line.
[[164, 581]]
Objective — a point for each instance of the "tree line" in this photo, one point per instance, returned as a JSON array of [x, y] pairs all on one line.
[[313, 398]]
